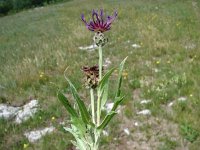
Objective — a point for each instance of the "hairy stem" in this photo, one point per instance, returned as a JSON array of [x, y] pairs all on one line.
[[100, 62], [98, 92], [92, 104]]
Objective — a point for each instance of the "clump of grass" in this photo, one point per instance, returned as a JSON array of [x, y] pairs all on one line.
[[188, 132]]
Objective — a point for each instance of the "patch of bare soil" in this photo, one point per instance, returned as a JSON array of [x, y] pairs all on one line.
[[146, 133]]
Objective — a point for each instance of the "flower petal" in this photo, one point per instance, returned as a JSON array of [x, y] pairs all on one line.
[[83, 19], [98, 21]]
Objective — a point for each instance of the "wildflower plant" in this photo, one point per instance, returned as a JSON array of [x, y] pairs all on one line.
[[87, 123]]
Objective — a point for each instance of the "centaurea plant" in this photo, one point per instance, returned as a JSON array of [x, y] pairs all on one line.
[[87, 123]]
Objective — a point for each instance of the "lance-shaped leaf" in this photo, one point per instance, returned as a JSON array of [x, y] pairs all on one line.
[[118, 100], [106, 120], [105, 78], [83, 110], [66, 104], [104, 95], [121, 67]]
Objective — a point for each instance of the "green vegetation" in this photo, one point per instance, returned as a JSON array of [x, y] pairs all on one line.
[[36, 46], [189, 133], [7, 6]]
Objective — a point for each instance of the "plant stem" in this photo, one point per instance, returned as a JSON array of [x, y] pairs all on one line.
[[100, 62], [98, 92], [92, 104]]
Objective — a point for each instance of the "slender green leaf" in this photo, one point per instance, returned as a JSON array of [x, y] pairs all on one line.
[[106, 120], [105, 95], [121, 67], [105, 78], [83, 110], [66, 104], [117, 102]]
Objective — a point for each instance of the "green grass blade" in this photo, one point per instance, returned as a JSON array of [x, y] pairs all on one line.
[[66, 104], [106, 120]]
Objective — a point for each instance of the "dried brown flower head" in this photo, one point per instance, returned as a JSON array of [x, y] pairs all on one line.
[[91, 76]]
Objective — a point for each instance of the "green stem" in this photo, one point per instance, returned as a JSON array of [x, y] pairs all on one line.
[[100, 62], [96, 136], [98, 110], [98, 92], [92, 104]]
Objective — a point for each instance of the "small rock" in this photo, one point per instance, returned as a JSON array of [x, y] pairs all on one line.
[[107, 62], [170, 104], [62, 123], [136, 46], [144, 112], [126, 130], [136, 124], [190, 46], [8, 112], [105, 133], [27, 111], [145, 101], [89, 48], [109, 106], [182, 99], [156, 70], [33, 136]]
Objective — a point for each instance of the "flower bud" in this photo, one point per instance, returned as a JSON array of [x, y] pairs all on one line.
[[100, 39]]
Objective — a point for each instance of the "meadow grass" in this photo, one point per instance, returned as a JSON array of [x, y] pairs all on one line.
[[37, 45]]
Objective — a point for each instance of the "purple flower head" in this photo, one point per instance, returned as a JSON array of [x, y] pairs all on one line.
[[99, 22]]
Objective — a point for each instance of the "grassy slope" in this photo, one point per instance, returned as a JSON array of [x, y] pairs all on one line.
[[36, 46]]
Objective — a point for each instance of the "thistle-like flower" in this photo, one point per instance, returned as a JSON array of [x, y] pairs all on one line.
[[99, 22], [92, 76]]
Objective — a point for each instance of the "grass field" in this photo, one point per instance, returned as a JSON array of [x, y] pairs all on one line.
[[37, 45]]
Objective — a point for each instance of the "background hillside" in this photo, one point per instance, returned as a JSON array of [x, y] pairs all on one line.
[[161, 39]]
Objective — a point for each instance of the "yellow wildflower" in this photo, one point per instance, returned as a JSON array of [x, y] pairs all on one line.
[[25, 146]]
